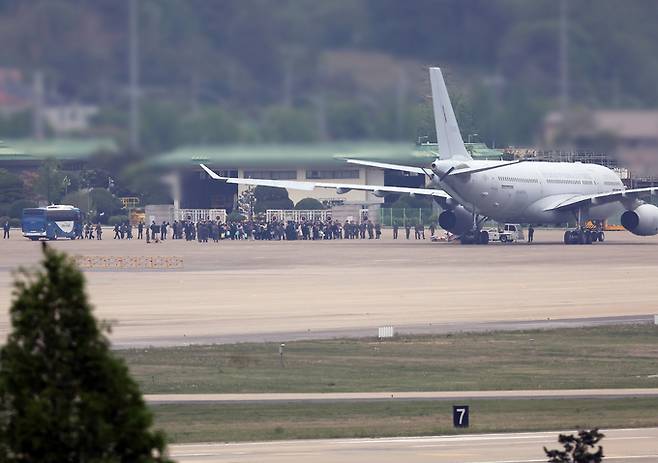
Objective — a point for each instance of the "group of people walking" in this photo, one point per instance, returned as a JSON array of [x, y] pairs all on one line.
[[215, 230]]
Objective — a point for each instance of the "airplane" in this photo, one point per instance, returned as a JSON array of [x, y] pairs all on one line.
[[470, 192]]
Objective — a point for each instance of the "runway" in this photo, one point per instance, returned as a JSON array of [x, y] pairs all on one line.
[[276, 291], [619, 445], [156, 399]]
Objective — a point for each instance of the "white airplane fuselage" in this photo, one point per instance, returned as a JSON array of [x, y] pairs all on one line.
[[521, 192]]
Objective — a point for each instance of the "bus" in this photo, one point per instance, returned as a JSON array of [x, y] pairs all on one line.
[[52, 222]]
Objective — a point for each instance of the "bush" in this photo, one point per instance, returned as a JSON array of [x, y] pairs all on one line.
[[3, 219], [15, 223], [117, 219], [308, 204], [16, 208]]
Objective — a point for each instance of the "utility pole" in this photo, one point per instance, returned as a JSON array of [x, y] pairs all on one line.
[[133, 65], [37, 116], [564, 60]]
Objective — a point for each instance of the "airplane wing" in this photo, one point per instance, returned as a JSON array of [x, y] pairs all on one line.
[[383, 165], [339, 187], [602, 198]]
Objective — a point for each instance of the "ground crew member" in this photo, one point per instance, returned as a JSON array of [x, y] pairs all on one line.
[[395, 231], [531, 234], [5, 229], [140, 230]]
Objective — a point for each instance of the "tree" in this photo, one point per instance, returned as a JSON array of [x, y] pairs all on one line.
[[308, 204], [104, 203], [271, 198], [578, 449], [63, 395], [212, 125], [16, 208], [281, 124], [50, 181], [246, 203], [11, 187]]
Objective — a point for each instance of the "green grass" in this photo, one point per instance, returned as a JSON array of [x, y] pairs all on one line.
[[238, 422], [603, 357]]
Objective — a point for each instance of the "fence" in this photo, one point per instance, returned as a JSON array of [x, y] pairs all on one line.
[[197, 215], [414, 216], [295, 215]]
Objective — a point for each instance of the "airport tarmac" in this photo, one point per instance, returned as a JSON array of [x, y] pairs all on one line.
[[619, 445], [255, 291]]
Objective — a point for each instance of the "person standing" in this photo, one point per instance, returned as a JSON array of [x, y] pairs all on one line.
[[99, 231], [407, 230], [531, 234], [140, 230], [154, 229], [395, 230], [5, 230], [378, 231], [116, 231]]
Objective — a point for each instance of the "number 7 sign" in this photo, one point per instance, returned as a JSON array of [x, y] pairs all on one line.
[[460, 416]]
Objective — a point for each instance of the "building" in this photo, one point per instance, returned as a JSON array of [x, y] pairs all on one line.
[[192, 189], [629, 137], [72, 153]]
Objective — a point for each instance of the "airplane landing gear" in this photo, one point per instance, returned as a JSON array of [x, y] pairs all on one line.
[[583, 236], [476, 235]]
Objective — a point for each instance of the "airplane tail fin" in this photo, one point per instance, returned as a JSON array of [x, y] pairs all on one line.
[[451, 144]]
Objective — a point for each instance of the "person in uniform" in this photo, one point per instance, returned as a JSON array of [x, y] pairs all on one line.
[[531, 234], [140, 230], [5, 230]]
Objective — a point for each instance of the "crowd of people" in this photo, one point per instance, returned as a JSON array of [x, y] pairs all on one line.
[[214, 230]]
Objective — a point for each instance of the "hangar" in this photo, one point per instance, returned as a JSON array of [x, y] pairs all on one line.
[[18, 155], [192, 189]]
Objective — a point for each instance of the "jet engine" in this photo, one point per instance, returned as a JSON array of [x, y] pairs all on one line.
[[642, 221], [457, 221]]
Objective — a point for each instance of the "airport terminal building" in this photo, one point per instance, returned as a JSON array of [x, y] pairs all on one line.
[[193, 189]]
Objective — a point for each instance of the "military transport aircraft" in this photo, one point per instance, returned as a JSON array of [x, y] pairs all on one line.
[[470, 192]]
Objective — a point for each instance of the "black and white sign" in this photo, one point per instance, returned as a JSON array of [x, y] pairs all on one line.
[[460, 416]]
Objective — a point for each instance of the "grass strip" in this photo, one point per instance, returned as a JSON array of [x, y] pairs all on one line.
[[260, 422], [600, 357]]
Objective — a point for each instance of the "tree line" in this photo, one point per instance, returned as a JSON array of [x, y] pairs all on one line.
[[245, 70]]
